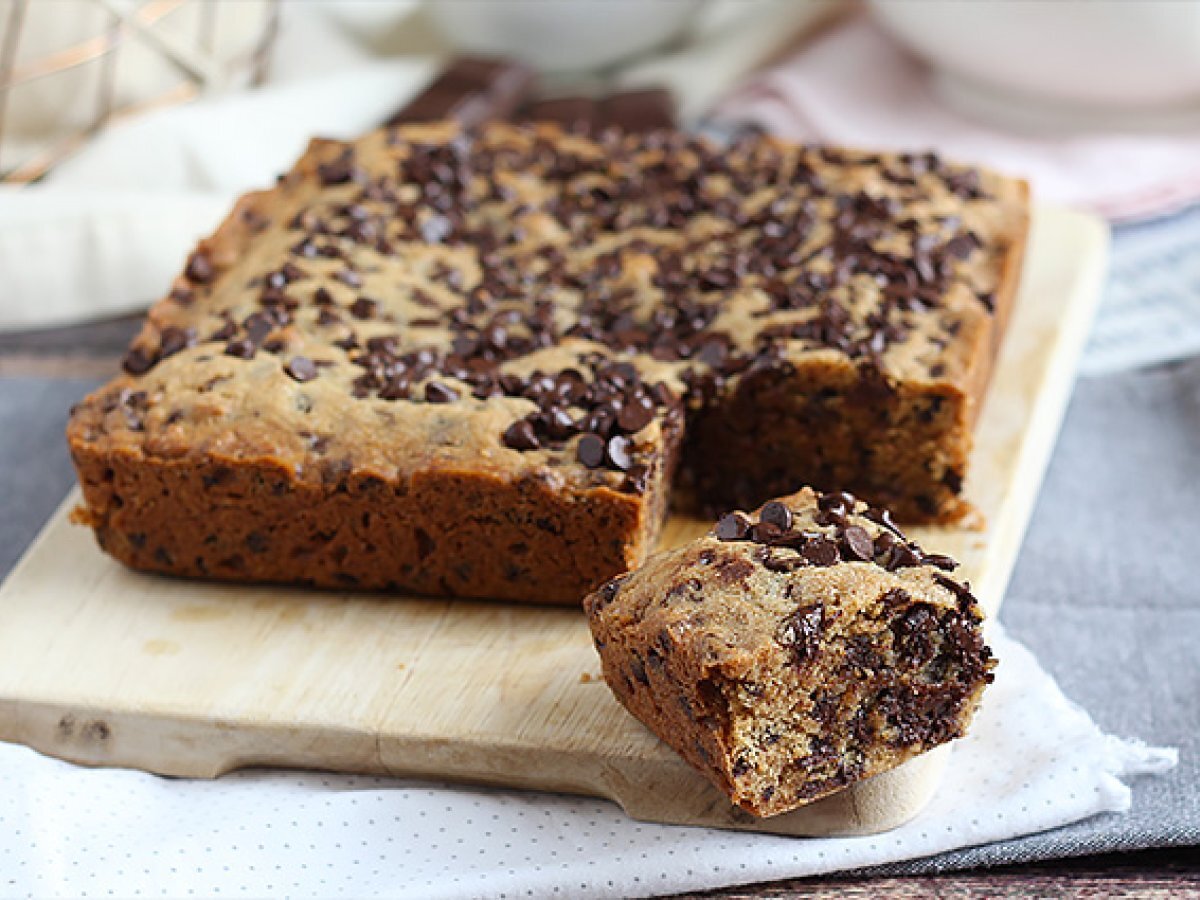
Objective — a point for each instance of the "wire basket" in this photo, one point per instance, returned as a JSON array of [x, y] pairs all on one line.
[[70, 68]]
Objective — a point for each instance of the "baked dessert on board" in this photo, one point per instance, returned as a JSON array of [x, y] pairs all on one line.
[[473, 362], [790, 653]]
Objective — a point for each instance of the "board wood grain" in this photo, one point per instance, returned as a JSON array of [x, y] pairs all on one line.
[[104, 666]]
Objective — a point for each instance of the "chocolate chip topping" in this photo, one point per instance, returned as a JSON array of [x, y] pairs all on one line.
[[173, 339], [241, 348], [521, 436], [777, 514], [301, 368], [788, 543], [639, 243], [138, 361], [436, 392], [732, 527], [591, 450], [857, 544], [820, 551], [199, 268], [617, 453]]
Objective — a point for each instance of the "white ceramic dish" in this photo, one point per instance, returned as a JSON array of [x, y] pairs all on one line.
[[1102, 63]]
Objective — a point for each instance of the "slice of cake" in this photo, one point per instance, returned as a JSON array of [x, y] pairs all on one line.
[[470, 363], [790, 653]]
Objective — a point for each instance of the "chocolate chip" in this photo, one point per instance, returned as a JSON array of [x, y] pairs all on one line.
[[801, 631], [776, 560], [138, 361], [591, 450], [340, 171], [635, 414], [732, 527], [940, 561], [913, 634], [775, 513], [609, 590], [857, 544], [960, 591], [242, 349], [301, 368], [199, 268], [836, 502], [258, 326], [820, 551], [618, 451], [558, 423], [765, 532], [899, 555], [364, 308], [174, 338], [521, 436], [436, 392], [961, 246]]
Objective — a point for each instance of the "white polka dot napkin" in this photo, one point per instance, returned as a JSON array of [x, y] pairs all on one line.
[[1033, 761]]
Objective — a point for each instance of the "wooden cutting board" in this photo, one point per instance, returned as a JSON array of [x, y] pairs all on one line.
[[104, 666]]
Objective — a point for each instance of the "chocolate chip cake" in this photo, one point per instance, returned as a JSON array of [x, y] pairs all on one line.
[[473, 362], [788, 654]]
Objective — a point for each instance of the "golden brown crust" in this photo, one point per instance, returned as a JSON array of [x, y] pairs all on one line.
[[533, 307]]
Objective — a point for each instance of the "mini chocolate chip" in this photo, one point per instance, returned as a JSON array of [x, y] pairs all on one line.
[[257, 327], [732, 527], [777, 560], [436, 392], [618, 451], [340, 171], [173, 339], [301, 368], [960, 591], [363, 308], [940, 561], [199, 268], [521, 436], [857, 544], [775, 513], [591, 450], [837, 502], [138, 361], [635, 414], [765, 532], [820, 551], [899, 556], [241, 348]]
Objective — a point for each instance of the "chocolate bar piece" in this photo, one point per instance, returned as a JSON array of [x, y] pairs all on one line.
[[632, 111], [472, 90], [639, 111]]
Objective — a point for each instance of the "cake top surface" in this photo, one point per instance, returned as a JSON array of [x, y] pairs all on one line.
[[522, 299]]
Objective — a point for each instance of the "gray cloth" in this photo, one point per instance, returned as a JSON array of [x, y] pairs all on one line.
[[35, 468], [1103, 592]]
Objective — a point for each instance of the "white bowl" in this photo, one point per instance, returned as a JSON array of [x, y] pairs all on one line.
[[1078, 62], [562, 35]]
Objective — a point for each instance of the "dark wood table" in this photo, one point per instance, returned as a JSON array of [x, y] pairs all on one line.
[[93, 351]]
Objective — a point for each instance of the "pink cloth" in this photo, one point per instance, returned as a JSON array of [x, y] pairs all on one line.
[[856, 86]]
